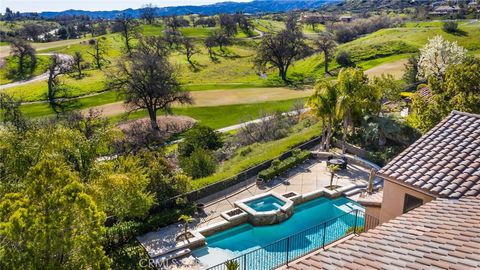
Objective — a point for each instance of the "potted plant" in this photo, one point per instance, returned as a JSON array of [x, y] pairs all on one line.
[[260, 181], [200, 207]]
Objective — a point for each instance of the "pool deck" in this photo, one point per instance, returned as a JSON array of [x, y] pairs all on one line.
[[307, 177]]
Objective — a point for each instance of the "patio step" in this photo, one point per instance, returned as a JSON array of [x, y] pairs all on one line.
[[353, 192], [173, 255]]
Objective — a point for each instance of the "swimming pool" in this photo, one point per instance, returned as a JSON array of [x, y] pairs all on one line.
[[256, 242]]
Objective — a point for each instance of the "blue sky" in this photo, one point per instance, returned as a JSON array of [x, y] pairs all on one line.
[[59, 5]]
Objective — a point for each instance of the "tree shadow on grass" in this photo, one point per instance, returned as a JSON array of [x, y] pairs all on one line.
[[458, 33]]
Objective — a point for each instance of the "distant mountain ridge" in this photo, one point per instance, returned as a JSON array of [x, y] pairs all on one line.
[[254, 7]]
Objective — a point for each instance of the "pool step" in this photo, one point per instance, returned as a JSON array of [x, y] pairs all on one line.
[[173, 255], [277, 205]]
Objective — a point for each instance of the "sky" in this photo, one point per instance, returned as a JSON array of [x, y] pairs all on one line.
[[60, 5]]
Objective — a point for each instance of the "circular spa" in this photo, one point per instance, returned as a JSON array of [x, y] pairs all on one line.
[[266, 209]]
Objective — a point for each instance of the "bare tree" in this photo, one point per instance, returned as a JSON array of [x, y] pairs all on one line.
[[148, 13], [313, 21], [190, 50], [220, 39], [175, 22], [22, 49], [281, 50], [77, 65], [327, 45], [59, 65], [228, 24], [173, 37], [209, 44], [32, 31], [126, 26], [150, 81], [99, 50]]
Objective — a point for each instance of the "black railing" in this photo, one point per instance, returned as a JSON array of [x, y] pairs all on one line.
[[295, 246]]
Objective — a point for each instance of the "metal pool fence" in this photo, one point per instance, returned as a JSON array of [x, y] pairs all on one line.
[[297, 245]]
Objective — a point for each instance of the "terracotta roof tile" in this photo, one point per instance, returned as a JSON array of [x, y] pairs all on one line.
[[441, 161], [442, 234]]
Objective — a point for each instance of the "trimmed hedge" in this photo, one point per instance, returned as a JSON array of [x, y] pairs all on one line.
[[279, 167]]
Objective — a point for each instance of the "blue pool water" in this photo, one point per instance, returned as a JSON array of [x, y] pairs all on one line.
[[266, 246], [267, 203]]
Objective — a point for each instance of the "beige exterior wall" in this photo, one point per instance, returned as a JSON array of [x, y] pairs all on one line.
[[373, 211], [393, 199]]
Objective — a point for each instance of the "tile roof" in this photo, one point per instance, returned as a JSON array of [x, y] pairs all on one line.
[[442, 234], [445, 162]]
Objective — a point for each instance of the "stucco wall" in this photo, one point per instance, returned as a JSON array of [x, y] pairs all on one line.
[[373, 211], [393, 199]]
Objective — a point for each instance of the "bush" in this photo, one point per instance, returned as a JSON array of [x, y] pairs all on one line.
[[123, 232], [358, 229], [279, 167], [200, 163], [450, 27], [344, 59], [200, 137]]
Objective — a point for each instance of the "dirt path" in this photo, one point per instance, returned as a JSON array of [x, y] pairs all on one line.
[[395, 68], [213, 98]]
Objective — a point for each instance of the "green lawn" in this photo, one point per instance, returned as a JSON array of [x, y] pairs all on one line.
[[93, 82], [259, 153], [197, 31], [222, 116], [12, 65], [264, 25]]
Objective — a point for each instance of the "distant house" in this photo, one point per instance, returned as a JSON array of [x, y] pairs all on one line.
[[444, 163], [345, 18], [445, 10]]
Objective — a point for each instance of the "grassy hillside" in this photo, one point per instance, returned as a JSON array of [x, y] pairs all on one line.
[[234, 67], [390, 45]]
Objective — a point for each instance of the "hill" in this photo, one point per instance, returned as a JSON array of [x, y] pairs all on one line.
[[254, 7]]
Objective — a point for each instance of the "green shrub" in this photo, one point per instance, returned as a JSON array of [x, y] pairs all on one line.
[[200, 137], [359, 229], [450, 27], [279, 167], [123, 232], [232, 265], [200, 163], [344, 59]]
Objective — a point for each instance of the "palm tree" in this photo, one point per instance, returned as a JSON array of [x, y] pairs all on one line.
[[333, 169], [323, 102], [352, 86], [186, 219]]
